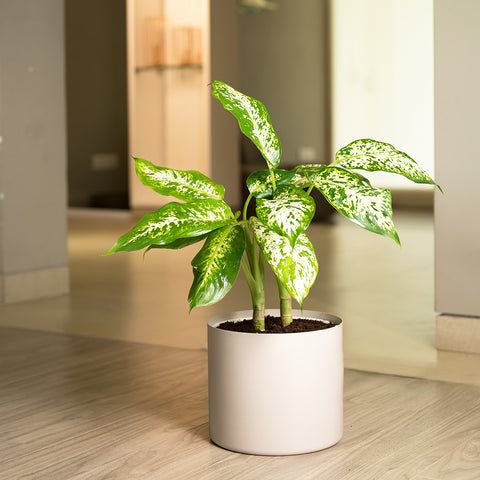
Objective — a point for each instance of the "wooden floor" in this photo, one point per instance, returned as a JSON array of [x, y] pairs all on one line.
[[76, 408]]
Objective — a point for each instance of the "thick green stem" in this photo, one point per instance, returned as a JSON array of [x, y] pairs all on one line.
[[259, 297], [285, 304], [254, 273], [254, 277], [259, 317]]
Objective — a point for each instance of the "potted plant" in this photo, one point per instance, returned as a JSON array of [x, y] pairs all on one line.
[[269, 393]]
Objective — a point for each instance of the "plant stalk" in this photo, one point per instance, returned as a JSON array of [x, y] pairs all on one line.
[[254, 279], [259, 316], [259, 299], [285, 304]]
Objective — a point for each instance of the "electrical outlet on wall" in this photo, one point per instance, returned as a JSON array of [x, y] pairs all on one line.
[[105, 161], [306, 155]]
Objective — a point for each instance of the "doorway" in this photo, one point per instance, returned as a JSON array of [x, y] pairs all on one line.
[[96, 81]]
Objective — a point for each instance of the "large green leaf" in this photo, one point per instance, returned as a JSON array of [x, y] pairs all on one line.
[[180, 243], [173, 221], [353, 196], [289, 213], [372, 155], [182, 184], [259, 183], [295, 266], [216, 265], [253, 120]]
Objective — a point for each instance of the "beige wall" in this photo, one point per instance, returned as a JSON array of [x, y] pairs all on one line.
[[382, 71], [224, 134], [283, 62], [457, 126], [33, 246]]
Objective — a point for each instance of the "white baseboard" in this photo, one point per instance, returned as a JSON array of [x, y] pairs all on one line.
[[47, 282], [457, 333]]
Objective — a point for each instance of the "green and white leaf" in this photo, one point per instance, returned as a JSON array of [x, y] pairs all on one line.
[[304, 175], [372, 155], [289, 213], [216, 266], [295, 266], [179, 243], [307, 175], [259, 183], [253, 120], [173, 221], [185, 185], [353, 196]]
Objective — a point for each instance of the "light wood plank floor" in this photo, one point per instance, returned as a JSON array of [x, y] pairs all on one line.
[[77, 408]]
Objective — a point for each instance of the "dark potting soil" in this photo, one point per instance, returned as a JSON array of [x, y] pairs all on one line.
[[274, 325]]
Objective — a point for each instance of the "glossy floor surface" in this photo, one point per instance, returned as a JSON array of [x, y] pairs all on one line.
[[77, 408], [384, 294]]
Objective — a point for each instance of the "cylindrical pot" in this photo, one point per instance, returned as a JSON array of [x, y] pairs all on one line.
[[275, 393]]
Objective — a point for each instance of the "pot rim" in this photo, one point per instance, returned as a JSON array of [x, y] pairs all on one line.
[[247, 314]]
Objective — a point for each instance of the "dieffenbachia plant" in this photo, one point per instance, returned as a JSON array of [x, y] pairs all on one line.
[[284, 209]]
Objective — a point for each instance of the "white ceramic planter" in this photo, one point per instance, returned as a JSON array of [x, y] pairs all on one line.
[[275, 394]]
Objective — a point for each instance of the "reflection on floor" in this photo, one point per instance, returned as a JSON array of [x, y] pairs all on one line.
[[383, 293]]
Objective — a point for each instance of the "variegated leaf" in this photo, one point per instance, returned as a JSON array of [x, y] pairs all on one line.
[[173, 221], [295, 266], [182, 184], [253, 120], [259, 183], [372, 155], [180, 243], [216, 265], [353, 196], [304, 175], [289, 213], [176, 244]]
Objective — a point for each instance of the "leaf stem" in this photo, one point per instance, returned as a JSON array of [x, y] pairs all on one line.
[[261, 263], [255, 264], [248, 244], [248, 275], [245, 207], [274, 183]]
